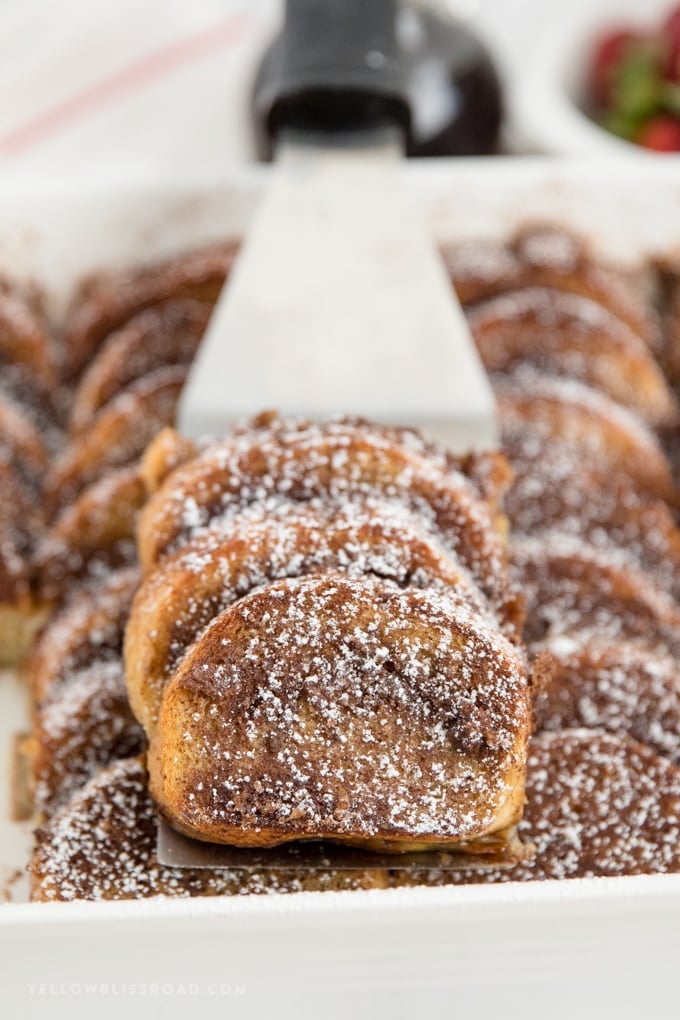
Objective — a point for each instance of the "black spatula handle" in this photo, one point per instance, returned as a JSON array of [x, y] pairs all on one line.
[[338, 68]]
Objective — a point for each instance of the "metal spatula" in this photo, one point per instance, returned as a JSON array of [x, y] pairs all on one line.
[[338, 302]]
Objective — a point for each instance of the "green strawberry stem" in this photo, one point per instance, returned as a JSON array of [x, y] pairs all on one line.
[[670, 98], [637, 84]]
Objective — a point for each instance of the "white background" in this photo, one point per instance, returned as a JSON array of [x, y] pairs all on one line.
[[149, 85]]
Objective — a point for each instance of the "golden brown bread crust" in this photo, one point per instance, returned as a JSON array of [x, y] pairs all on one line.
[[158, 337], [102, 846], [544, 255], [24, 338], [117, 436], [20, 523], [605, 435], [624, 688], [597, 805], [81, 715], [89, 625], [105, 302], [21, 443], [80, 728], [300, 462], [346, 709], [180, 598], [20, 618], [26, 432], [92, 535], [573, 587], [554, 488], [165, 454], [573, 337]]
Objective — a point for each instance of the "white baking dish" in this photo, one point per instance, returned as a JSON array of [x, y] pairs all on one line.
[[595, 948]]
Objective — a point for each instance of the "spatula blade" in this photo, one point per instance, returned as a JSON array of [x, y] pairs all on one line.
[[177, 851], [339, 304]]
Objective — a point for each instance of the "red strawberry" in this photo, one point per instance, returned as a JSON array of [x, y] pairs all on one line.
[[609, 50], [661, 134], [670, 38]]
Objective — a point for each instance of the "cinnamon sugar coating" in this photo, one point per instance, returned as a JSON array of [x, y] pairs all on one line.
[[102, 846], [604, 433], [107, 301], [625, 688], [556, 489], [566, 335], [81, 714], [571, 586], [218, 567], [337, 461], [344, 708], [156, 338], [79, 728], [548, 256], [597, 805], [92, 535], [89, 625], [117, 436]]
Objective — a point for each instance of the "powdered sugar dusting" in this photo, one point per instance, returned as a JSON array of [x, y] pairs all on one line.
[[626, 689], [363, 709], [102, 846], [81, 726], [596, 805], [550, 397], [399, 524], [278, 539], [570, 336], [340, 462], [81, 712], [570, 585]]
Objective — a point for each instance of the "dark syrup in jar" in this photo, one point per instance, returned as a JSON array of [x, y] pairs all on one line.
[[453, 89]]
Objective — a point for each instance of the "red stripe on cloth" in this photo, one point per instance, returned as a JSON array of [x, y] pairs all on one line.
[[148, 69]]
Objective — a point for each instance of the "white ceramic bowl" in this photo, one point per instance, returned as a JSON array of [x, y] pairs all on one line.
[[549, 81]]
